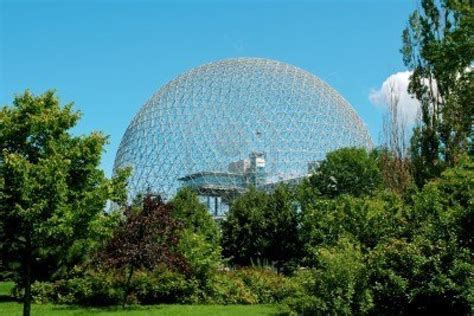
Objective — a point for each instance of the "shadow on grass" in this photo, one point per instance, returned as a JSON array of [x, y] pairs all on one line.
[[7, 298], [280, 313], [88, 310], [6, 288]]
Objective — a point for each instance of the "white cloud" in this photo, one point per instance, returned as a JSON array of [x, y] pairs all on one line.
[[396, 85]]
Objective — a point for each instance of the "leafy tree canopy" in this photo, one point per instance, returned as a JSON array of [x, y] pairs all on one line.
[[351, 171], [438, 47], [147, 238], [52, 192], [200, 238], [262, 227], [194, 215]]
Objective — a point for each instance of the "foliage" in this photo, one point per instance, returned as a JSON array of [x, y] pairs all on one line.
[[337, 286], [106, 287], [283, 246], [250, 286], [419, 250], [438, 47], [369, 220], [194, 215], [444, 238], [267, 285], [262, 227], [395, 170], [88, 288], [202, 257], [243, 228], [52, 193], [420, 276], [42, 292], [200, 238], [164, 286], [156, 255], [347, 171], [228, 288], [147, 238]]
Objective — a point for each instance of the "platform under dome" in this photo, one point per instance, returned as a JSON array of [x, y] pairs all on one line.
[[244, 121]]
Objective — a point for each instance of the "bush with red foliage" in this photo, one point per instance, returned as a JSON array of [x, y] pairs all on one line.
[[147, 238]]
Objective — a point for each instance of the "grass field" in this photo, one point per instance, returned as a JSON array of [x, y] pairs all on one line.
[[5, 288], [11, 308]]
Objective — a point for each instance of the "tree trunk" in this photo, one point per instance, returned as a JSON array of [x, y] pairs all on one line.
[[28, 264], [127, 286]]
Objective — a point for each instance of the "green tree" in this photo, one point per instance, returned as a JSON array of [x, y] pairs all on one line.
[[418, 250], [200, 238], [367, 220], [194, 215], [281, 219], [348, 171], [263, 227], [427, 267], [243, 229], [52, 193], [438, 47]]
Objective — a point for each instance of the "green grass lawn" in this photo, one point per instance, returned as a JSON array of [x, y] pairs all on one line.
[[5, 288], [11, 308]]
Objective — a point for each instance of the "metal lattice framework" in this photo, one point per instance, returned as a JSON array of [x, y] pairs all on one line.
[[219, 113]]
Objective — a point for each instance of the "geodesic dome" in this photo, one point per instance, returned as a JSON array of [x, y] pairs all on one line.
[[234, 123]]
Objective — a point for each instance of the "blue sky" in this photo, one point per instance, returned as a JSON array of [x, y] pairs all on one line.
[[109, 57]]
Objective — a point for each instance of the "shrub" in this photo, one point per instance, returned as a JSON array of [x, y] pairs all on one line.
[[42, 292], [102, 288], [392, 266], [250, 286], [202, 257], [420, 277], [268, 286], [431, 265], [337, 286], [164, 286], [228, 288], [94, 288], [302, 300]]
